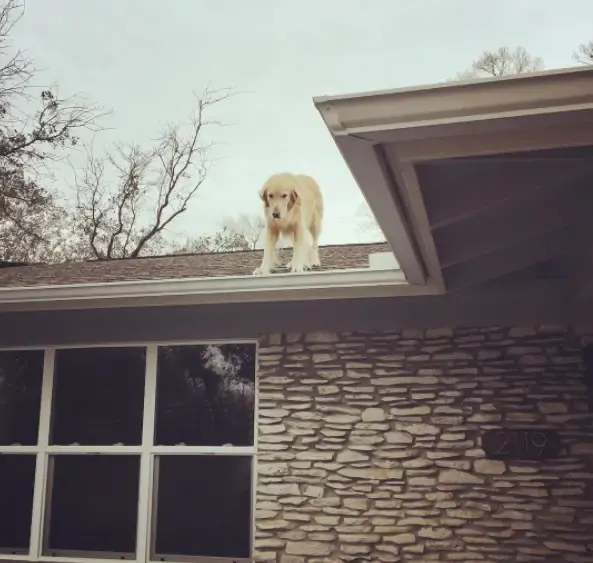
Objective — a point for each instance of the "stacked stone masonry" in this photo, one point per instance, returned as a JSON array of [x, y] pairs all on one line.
[[369, 447]]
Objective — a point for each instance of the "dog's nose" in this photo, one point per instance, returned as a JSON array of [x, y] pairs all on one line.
[[276, 215]]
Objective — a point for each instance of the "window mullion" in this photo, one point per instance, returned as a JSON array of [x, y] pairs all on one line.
[[146, 466], [41, 462]]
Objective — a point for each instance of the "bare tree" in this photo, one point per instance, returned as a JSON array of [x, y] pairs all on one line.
[[502, 62], [239, 233], [128, 199], [249, 226], [584, 53], [28, 140], [224, 240]]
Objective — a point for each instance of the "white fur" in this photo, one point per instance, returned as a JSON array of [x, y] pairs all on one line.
[[298, 205]]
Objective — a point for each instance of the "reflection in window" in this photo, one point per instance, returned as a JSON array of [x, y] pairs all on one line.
[[205, 395], [92, 504], [98, 396], [21, 373], [17, 479], [203, 506]]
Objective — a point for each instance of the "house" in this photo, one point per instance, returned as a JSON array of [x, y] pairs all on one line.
[[433, 408]]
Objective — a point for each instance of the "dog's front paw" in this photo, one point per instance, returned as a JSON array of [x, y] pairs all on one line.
[[261, 272], [298, 268]]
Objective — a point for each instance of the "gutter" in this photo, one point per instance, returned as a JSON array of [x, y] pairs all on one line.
[[332, 284], [406, 113]]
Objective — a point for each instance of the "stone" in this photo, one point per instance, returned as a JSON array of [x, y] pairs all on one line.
[[410, 411], [279, 490], [320, 336], [452, 356], [552, 408], [398, 437], [351, 456], [565, 546], [272, 429], [314, 455], [312, 548], [458, 477], [373, 415], [419, 429], [356, 503], [330, 373], [371, 473], [341, 419], [374, 455], [273, 524], [273, 413], [435, 533], [313, 491], [272, 469], [400, 539], [291, 559], [422, 482], [489, 466], [485, 417], [401, 381]]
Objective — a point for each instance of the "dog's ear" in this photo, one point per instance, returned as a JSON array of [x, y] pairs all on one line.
[[263, 194], [294, 197]]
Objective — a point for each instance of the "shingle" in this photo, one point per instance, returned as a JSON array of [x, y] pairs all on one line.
[[220, 264]]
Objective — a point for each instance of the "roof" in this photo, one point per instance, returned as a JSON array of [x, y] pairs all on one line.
[[478, 184], [210, 265]]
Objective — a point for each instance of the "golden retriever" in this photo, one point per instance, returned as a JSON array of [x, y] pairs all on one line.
[[293, 207]]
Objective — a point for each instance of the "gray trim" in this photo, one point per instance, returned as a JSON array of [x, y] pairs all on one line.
[[529, 303]]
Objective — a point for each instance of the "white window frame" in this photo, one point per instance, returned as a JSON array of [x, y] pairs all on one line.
[[147, 452]]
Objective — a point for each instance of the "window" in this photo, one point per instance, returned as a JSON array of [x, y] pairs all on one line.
[[128, 452]]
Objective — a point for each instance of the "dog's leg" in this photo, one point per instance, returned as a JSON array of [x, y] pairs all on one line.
[[301, 250], [308, 256], [269, 254], [314, 256], [315, 261]]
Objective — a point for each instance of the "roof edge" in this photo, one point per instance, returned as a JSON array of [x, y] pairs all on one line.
[[401, 112], [355, 283], [453, 84]]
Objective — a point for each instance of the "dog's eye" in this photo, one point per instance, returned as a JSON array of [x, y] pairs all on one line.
[[271, 196], [283, 196]]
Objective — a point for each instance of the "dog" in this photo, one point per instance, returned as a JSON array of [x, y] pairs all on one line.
[[293, 207]]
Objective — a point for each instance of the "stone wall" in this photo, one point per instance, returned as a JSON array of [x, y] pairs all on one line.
[[369, 447]]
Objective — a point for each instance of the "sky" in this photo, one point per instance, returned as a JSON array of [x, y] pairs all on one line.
[[144, 59]]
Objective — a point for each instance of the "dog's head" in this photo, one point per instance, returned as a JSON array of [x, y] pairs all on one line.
[[280, 198]]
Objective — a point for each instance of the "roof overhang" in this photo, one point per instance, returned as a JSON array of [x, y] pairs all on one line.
[[333, 284], [475, 180]]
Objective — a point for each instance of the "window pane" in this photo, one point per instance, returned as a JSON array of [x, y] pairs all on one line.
[[98, 396], [93, 504], [205, 395], [17, 480], [21, 373], [203, 506]]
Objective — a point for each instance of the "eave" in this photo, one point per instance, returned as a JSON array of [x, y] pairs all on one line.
[[333, 284], [477, 181]]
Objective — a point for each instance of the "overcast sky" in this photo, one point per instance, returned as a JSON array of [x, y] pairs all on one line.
[[143, 58]]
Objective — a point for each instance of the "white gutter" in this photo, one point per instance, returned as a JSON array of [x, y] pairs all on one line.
[[409, 113], [334, 284]]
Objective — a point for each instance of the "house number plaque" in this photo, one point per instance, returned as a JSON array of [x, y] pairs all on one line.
[[521, 444]]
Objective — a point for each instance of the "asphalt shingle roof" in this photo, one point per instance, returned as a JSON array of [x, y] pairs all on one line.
[[220, 264]]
